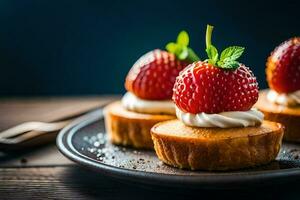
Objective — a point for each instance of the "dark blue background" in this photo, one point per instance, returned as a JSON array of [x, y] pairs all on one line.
[[87, 47]]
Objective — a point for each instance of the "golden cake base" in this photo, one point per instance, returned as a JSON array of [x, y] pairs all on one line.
[[194, 148], [129, 128], [288, 116]]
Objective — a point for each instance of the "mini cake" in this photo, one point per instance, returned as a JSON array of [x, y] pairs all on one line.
[[217, 128], [148, 101], [281, 103]]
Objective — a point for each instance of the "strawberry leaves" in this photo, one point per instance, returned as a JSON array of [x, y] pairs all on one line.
[[229, 64], [232, 53], [183, 38], [229, 56], [181, 49], [226, 60], [212, 54]]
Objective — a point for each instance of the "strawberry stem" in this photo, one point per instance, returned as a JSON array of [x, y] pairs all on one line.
[[211, 50], [209, 30], [228, 57]]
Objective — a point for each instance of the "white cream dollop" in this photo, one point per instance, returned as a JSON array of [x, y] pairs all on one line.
[[222, 120], [136, 104], [289, 99]]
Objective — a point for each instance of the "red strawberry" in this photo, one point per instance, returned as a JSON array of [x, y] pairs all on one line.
[[202, 87], [217, 84], [153, 75], [283, 67]]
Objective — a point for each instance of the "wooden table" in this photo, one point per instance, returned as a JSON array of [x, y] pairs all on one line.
[[43, 172]]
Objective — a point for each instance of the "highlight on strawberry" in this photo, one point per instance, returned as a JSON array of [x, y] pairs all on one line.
[[217, 84], [153, 75], [283, 67]]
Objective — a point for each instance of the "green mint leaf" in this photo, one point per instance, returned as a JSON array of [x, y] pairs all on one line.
[[182, 53], [220, 63], [181, 50], [231, 53], [212, 54], [183, 38], [230, 65], [171, 47]]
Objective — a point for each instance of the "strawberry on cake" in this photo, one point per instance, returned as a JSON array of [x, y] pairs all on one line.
[[281, 103], [217, 128], [148, 101]]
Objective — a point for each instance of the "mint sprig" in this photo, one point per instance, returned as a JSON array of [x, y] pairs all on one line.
[[229, 56], [181, 49]]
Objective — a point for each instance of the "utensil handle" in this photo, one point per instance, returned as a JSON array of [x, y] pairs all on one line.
[[35, 138]]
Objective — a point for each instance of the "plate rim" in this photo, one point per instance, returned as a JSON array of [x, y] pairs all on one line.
[[142, 176]]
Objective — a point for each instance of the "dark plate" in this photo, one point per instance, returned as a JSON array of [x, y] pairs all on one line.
[[85, 142]]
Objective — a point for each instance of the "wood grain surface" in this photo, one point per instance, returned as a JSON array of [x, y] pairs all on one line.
[[15, 111], [73, 182], [44, 173]]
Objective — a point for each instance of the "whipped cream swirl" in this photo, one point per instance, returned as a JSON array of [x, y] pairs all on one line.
[[136, 104], [289, 99], [222, 120]]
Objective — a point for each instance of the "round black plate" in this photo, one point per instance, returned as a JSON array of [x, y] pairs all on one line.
[[85, 142]]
